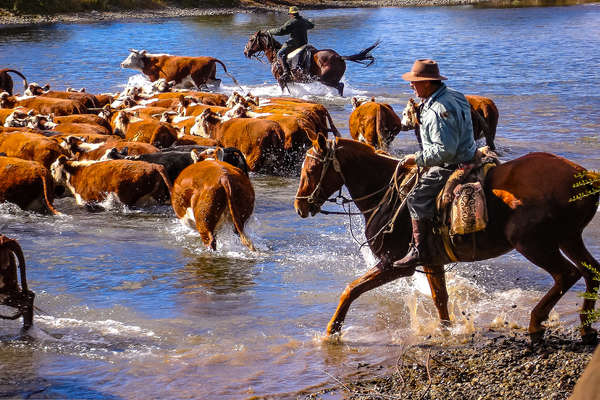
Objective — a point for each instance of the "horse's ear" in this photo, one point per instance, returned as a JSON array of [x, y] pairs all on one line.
[[320, 143]]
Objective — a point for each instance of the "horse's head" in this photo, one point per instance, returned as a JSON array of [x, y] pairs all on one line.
[[410, 115], [256, 44], [320, 177]]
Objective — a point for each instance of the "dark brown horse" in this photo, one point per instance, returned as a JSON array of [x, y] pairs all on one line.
[[11, 294], [532, 207], [327, 66]]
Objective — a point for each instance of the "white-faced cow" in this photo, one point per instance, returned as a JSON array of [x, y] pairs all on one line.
[[185, 71]]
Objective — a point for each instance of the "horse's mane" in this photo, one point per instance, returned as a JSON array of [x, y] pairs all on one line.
[[271, 41], [361, 149]]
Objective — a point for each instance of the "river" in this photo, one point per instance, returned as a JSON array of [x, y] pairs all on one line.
[[132, 306]]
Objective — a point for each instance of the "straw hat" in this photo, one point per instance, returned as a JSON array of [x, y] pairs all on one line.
[[424, 70], [293, 10]]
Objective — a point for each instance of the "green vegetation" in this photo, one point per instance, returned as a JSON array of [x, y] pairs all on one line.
[[58, 6], [592, 315]]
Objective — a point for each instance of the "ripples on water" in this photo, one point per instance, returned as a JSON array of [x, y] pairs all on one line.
[[133, 306]]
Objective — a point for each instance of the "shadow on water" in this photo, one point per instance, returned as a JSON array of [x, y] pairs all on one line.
[[35, 33], [217, 275], [21, 376]]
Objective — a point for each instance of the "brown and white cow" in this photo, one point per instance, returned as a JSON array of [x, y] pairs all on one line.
[[261, 141], [207, 192], [135, 183], [27, 184], [82, 150], [315, 115], [185, 71], [44, 105], [31, 146], [374, 123], [159, 134]]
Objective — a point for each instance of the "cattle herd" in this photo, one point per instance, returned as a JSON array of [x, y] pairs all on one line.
[[172, 142]]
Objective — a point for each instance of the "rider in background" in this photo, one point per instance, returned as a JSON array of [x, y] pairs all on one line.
[[446, 132], [296, 27]]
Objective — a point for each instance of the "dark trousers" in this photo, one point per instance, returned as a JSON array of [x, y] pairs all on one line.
[[421, 201]]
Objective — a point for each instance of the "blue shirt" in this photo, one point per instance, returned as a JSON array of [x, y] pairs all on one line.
[[446, 129]]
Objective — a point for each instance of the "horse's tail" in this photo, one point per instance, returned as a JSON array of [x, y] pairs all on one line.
[[25, 84], [227, 73], [363, 56]]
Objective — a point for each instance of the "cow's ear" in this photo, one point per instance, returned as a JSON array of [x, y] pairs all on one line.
[[195, 154], [143, 52]]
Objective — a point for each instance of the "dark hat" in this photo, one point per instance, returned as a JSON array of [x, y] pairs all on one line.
[[424, 70]]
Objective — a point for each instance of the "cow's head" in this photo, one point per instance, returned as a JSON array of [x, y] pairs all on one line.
[[59, 171], [208, 154], [7, 101], [238, 111], [410, 115], [162, 85], [16, 119], [34, 89], [205, 123], [120, 123], [136, 60], [40, 121]]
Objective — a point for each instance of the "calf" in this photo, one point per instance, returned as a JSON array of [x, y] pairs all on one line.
[[484, 114], [134, 183], [208, 191], [374, 123], [27, 184]]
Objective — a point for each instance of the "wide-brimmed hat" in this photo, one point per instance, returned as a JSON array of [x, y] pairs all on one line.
[[424, 70], [293, 10]]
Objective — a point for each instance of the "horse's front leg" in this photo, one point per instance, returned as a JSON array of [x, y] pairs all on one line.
[[378, 275], [439, 293]]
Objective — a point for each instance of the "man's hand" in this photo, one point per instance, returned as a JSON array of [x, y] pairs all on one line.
[[408, 160]]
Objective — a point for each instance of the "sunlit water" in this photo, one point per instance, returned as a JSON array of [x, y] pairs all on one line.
[[133, 306]]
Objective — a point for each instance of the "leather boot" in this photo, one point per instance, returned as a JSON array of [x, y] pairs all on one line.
[[417, 251], [285, 75]]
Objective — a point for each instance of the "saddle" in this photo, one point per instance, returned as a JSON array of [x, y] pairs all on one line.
[[461, 205], [301, 58]]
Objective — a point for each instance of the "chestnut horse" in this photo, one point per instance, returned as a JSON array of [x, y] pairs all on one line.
[[327, 66], [531, 209]]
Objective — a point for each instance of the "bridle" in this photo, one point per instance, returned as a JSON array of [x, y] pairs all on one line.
[[327, 159]]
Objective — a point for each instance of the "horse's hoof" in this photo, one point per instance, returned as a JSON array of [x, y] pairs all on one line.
[[590, 338], [537, 337]]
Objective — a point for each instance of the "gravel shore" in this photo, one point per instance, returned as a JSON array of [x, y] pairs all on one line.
[[498, 366], [8, 18]]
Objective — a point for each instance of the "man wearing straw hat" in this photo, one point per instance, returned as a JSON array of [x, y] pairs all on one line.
[[446, 132], [297, 27]]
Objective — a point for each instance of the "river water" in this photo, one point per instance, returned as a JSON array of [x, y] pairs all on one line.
[[131, 304]]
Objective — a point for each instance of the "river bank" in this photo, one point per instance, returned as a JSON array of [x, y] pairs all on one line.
[[8, 18], [498, 366]]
